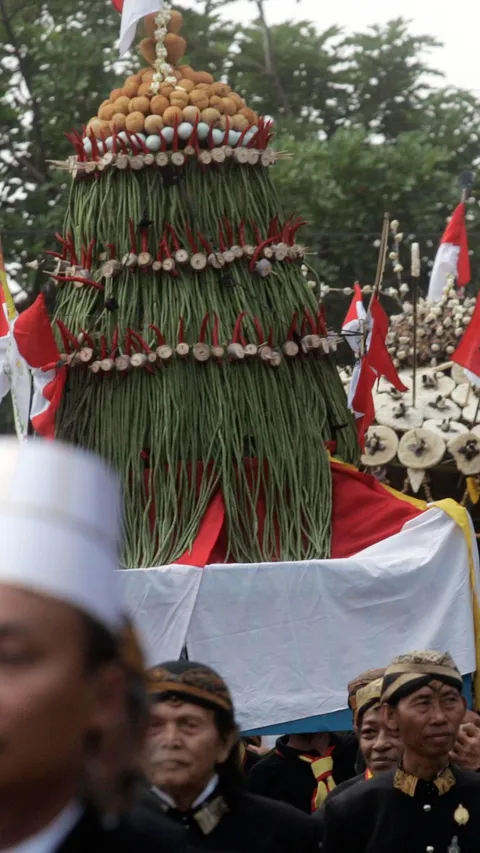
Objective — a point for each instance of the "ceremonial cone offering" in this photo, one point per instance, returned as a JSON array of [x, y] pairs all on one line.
[[194, 355]]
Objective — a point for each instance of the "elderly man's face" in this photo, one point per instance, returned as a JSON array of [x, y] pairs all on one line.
[[428, 721], [48, 699], [380, 746], [184, 747]]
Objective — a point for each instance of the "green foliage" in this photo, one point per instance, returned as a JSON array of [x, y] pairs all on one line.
[[367, 130]]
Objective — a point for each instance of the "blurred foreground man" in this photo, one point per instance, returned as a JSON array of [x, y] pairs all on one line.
[[61, 682], [426, 804], [193, 765]]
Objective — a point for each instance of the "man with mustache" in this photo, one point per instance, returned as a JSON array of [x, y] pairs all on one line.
[[427, 803]]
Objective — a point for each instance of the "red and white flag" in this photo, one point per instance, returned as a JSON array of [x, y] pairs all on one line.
[[132, 11], [452, 258], [35, 342], [354, 323], [467, 353], [376, 362]]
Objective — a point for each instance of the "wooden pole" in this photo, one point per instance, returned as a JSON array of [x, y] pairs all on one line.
[[415, 270]]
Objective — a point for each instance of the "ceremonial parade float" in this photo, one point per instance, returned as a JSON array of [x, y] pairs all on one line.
[[186, 347]]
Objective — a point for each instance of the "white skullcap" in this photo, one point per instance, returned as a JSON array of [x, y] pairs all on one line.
[[60, 526]]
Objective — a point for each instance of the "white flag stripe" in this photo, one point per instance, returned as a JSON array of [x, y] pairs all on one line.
[[445, 265], [133, 12]]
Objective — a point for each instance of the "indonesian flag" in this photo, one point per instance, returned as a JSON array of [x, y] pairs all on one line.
[[132, 11], [36, 344], [14, 374], [375, 363], [467, 353], [452, 257], [355, 319]]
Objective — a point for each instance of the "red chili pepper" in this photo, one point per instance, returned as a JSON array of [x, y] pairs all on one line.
[[243, 135], [114, 141], [114, 343], [111, 249], [303, 330], [103, 347], [293, 327], [191, 239], [322, 328], [273, 230], [84, 258], [137, 337], [293, 230], [228, 230], [225, 135], [90, 249], [144, 239], [241, 233], [259, 249], [256, 232], [215, 330], [53, 254], [206, 245], [210, 137], [175, 135], [166, 246], [181, 331], [221, 239], [238, 325], [160, 338], [134, 143], [87, 339], [284, 237], [123, 145], [95, 150], [68, 338], [311, 321], [133, 237], [160, 251], [259, 330], [71, 247], [203, 329], [173, 237], [128, 342], [90, 282]]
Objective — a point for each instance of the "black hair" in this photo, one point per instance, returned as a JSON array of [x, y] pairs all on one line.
[[230, 773], [101, 646]]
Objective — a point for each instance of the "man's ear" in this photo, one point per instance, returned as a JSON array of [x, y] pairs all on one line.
[[227, 745], [389, 716]]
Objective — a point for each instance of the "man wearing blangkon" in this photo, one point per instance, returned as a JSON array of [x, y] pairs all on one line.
[[426, 803]]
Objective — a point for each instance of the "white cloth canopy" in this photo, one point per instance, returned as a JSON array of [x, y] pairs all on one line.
[[288, 636]]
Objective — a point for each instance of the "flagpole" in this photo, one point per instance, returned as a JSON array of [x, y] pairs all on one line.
[[415, 271], [382, 259]]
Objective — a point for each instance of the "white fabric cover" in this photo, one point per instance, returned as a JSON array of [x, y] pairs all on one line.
[[288, 636], [160, 602]]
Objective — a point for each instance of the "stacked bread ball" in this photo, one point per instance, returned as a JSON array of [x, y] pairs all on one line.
[[195, 97]]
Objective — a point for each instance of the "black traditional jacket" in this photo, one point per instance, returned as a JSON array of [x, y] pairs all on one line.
[[398, 813], [239, 823]]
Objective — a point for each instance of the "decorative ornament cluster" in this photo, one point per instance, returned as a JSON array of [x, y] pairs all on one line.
[[163, 71], [101, 357]]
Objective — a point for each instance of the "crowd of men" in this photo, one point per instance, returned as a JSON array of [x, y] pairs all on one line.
[[97, 753]]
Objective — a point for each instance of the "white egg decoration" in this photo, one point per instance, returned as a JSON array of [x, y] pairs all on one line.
[[233, 137], [167, 134], [153, 142], [185, 130], [109, 143], [123, 136], [87, 145], [101, 147], [138, 137], [217, 136], [202, 130], [247, 138]]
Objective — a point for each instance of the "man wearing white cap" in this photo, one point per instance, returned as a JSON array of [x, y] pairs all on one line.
[[61, 681]]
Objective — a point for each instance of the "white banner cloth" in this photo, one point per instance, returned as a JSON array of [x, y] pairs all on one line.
[[160, 603], [288, 636]]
